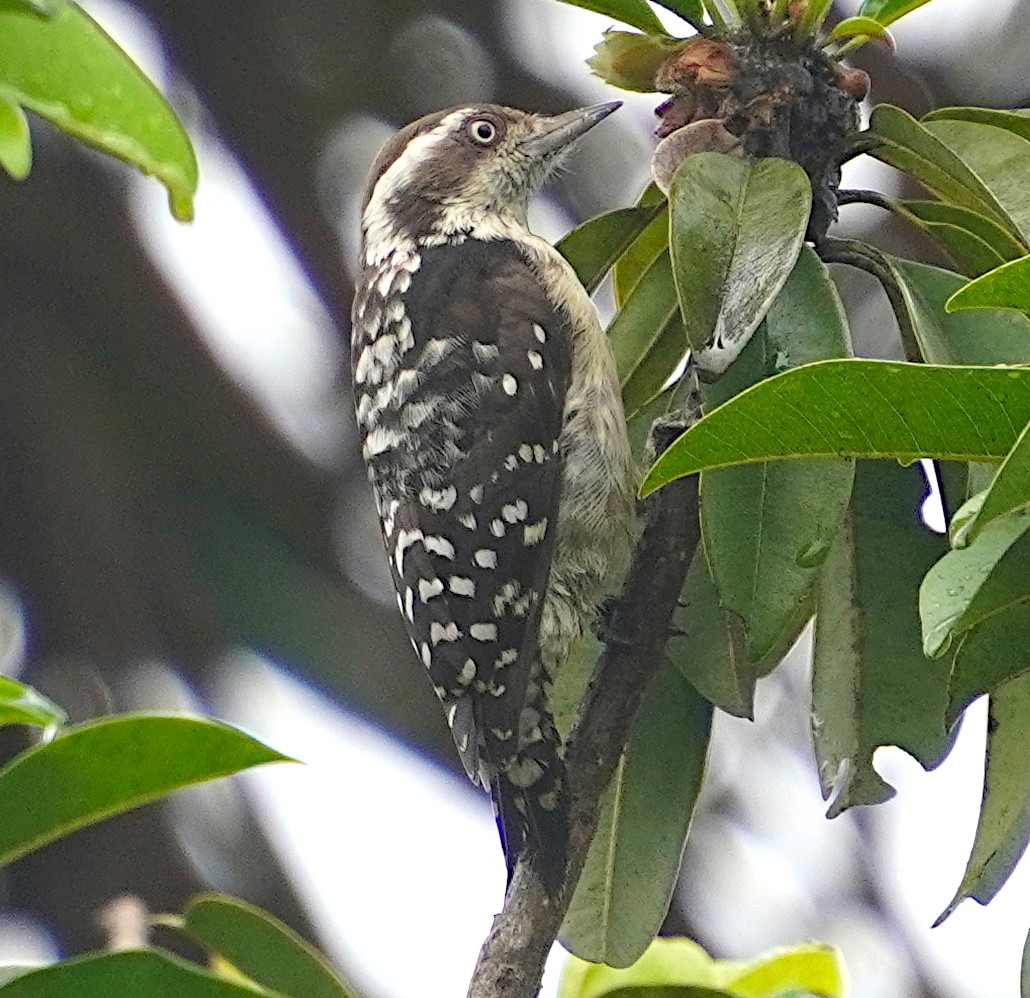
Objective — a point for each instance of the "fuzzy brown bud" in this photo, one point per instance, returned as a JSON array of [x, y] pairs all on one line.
[[854, 82], [703, 62]]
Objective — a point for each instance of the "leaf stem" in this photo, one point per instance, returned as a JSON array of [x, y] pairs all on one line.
[[718, 21], [874, 198], [859, 254]]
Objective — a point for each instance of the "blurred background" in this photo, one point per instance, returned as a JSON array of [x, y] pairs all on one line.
[[185, 524]]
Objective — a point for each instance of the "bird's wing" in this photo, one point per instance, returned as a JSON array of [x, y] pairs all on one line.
[[471, 531]]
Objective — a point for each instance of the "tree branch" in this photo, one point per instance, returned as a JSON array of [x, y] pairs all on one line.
[[511, 962]]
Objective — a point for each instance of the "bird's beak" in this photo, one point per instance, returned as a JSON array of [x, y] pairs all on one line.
[[553, 134]]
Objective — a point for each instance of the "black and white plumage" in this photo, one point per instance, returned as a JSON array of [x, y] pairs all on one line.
[[495, 442]]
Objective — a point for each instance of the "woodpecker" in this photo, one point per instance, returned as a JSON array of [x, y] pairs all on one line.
[[495, 441]]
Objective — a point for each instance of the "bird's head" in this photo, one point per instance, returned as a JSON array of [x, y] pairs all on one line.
[[466, 167]]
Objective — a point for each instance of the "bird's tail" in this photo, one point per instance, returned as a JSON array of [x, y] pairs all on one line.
[[530, 795]]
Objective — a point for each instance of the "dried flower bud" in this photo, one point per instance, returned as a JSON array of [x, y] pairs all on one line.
[[701, 62], [854, 82]]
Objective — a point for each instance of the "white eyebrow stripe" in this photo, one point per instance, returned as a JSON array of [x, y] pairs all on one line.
[[375, 218]]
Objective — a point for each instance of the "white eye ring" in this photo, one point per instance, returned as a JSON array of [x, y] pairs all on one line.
[[483, 131]]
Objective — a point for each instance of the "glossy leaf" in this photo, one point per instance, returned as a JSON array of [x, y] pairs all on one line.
[[1003, 830], [999, 158], [639, 325], [765, 563], [736, 230], [67, 70], [871, 684], [646, 248], [824, 410], [986, 337], [15, 142], [1006, 287], [1014, 121], [911, 146], [937, 214], [141, 974], [970, 254], [861, 27], [1024, 970], [692, 11], [633, 863], [888, 11], [261, 947], [629, 60], [652, 374], [108, 766], [1008, 491], [20, 704], [679, 963], [709, 646], [42, 8], [10, 971], [994, 649], [960, 590], [636, 13], [593, 247]]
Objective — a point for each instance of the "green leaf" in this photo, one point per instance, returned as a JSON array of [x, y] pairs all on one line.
[[888, 11], [970, 254], [995, 649], [939, 216], [593, 247], [857, 408], [679, 963], [648, 312], [636, 13], [1003, 830], [1024, 970], [261, 947], [912, 147], [861, 27], [20, 704], [736, 231], [1010, 490], [765, 563], [70, 72], [623, 895], [962, 589], [692, 11], [651, 375], [646, 248], [40, 8], [1014, 121], [871, 684], [994, 337], [631, 61], [1006, 287], [141, 974], [15, 142], [11, 971], [999, 158], [104, 767], [709, 650]]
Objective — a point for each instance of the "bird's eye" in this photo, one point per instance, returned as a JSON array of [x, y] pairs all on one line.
[[483, 131]]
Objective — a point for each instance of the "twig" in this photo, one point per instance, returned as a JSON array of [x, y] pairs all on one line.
[[858, 254], [874, 198], [511, 962]]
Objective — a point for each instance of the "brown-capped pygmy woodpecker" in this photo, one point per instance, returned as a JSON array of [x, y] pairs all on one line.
[[495, 441]]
